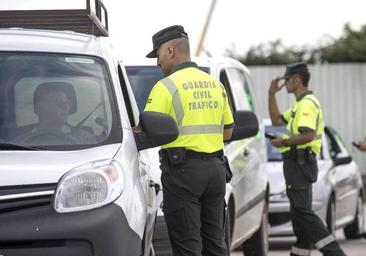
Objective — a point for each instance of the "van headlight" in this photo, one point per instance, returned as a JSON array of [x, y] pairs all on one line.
[[89, 186]]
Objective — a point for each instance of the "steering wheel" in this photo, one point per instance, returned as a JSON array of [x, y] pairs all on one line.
[[41, 135]]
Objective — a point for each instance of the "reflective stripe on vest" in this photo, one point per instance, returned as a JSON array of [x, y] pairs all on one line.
[[179, 113], [293, 113]]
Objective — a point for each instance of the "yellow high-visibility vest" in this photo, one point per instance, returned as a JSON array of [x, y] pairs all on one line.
[[306, 114], [198, 103]]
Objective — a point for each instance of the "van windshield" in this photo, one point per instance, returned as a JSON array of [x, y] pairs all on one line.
[[56, 102], [143, 78]]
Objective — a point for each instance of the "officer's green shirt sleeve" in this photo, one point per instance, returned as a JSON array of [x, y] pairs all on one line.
[[159, 99], [286, 115], [307, 115], [228, 116]]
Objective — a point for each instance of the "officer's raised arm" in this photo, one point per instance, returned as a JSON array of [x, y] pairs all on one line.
[[274, 112]]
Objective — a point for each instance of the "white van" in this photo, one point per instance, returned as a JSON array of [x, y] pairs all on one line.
[[247, 193], [71, 180]]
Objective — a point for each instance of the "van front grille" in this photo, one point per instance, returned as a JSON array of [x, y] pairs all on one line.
[[14, 198]]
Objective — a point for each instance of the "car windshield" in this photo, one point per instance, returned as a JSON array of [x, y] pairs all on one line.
[[272, 152], [55, 102], [143, 78]]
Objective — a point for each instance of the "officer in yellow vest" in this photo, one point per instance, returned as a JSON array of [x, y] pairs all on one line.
[[299, 147], [193, 170]]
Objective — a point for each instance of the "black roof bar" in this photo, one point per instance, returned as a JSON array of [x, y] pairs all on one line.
[[90, 20]]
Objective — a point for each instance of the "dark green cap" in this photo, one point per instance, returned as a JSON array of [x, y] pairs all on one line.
[[295, 68], [166, 35]]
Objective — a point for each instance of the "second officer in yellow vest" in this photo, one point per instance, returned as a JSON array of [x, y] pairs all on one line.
[[193, 170], [299, 147]]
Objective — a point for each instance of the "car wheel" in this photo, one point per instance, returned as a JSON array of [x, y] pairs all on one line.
[[258, 245], [331, 216], [356, 228], [228, 230]]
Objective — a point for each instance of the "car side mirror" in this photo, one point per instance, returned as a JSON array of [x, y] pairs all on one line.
[[246, 125], [157, 129], [342, 158]]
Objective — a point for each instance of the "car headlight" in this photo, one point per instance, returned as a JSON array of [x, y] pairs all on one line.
[[282, 196], [89, 186]]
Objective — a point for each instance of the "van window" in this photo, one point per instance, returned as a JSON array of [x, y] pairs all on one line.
[[142, 80], [56, 101], [241, 92], [225, 81], [126, 96]]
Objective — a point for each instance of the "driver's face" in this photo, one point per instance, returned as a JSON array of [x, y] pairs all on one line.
[[57, 107]]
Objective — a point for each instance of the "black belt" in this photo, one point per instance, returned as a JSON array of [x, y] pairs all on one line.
[[292, 154], [195, 154]]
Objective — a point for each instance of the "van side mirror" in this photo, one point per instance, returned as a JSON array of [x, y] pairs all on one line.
[[246, 125], [157, 129], [341, 159]]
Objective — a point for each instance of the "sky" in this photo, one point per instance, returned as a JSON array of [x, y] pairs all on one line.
[[235, 24]]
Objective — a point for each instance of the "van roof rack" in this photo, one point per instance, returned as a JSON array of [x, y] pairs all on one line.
[[92, 20]]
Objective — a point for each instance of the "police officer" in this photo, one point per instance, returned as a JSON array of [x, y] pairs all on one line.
[[299, 147], [193, 172]]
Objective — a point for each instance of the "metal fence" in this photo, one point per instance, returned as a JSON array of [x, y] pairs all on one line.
[[341, 89]]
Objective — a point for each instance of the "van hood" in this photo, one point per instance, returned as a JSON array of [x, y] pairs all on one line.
[[40, 167]]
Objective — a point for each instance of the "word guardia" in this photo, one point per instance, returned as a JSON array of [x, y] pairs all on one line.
[[202, 98]]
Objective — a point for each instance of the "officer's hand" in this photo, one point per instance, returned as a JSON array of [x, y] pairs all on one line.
[[274, 88], [362, 145], [276, 142]]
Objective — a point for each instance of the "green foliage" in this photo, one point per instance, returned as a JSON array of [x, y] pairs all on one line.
[[350, 47]]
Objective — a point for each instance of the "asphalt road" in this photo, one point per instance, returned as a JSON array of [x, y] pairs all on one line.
[[351, 247]]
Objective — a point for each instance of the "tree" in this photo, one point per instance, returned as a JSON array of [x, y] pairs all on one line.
[[350, 47]]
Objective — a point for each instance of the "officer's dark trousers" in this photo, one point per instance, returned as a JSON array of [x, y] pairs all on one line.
[[308, 227], [193, 206]]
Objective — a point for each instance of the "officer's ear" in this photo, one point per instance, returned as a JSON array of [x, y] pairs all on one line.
[[297, 80], [171, 51]]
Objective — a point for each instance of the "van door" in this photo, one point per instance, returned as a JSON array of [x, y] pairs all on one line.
[[345, 176], [249, 179], [144, 166]]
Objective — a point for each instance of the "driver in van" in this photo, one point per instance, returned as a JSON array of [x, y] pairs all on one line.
[[53, 102]]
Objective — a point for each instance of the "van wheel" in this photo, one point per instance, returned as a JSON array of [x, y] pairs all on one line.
[[331, 216], [258, 245], [356, 228], [227, 230]]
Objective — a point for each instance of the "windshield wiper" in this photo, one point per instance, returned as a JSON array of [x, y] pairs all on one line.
[[10, 146]]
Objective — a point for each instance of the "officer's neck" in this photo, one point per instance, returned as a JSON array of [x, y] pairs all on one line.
[[300, 90], [180, 59]]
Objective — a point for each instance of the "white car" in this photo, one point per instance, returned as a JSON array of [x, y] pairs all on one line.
[[337, 194], [247, 193]]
